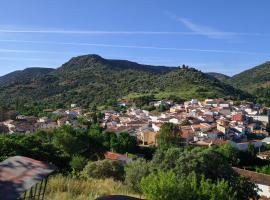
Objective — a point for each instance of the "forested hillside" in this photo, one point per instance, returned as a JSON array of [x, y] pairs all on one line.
[[255, 81], [24, 75], [91, 79], [219, 76]]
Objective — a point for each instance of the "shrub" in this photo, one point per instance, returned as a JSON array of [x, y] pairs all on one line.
[[160, 186], [78, 163], [166, 186], [102, 169], [134, 172]]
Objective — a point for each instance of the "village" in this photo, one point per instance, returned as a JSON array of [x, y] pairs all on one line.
[[201, 123]]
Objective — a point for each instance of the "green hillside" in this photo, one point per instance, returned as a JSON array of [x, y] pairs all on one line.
[[219, 76], [24, 75], [253, 78], [255, 81], [91, 79]]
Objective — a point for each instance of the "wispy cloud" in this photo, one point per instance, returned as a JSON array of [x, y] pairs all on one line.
[[119, 46], [205, 30], [89, 32], [195, 29], [201, 29], [208, 31]]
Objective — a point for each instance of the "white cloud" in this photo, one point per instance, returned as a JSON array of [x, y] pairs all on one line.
[[201, 29], [119, 46], [210, 32], [196, 29], [205, 30]]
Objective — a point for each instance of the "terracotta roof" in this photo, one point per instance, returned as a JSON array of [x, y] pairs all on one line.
[[18, 174], [254, 176], [216, 141], [186, 131], [114, 156]]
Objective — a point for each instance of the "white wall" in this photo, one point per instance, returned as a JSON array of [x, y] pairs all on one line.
[[265, 190]]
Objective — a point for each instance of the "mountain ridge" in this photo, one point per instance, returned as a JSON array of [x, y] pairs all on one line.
[[27, 73], [91, 79]]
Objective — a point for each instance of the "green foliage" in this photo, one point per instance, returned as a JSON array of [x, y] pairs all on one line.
[[102, 169], [255, 81], [76, 142], [120, 143], [162, 108], [66, 147], [263, 169], [243, 188], [230, 153], [91, 80], [199, 161], [34, 147], [263, 95], [169, 135], [219, 76], [253, 78], [143, 100], [78, 163], [162, 186], [166, 186], [134, 172], [208, 163]]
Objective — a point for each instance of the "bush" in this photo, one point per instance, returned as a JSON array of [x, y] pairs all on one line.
[[134, 172], [102, 169], [160, 186], [78, 163], [166, 186]]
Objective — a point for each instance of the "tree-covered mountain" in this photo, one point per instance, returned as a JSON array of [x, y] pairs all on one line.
[[254, 78], [91, 79], [255, 81], [219, 76], [24, 75]]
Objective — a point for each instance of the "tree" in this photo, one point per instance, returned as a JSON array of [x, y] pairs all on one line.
[[78, 163], [202, 162], [122, 143], [166, 186], [126, 143], [134, 172], [160, 186], [102, 169], [34, 147], [230, 153], [73, 142], [168, 135]]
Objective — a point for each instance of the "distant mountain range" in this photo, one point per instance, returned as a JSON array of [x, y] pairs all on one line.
[[91, 79], [24, 75], [255, 81]]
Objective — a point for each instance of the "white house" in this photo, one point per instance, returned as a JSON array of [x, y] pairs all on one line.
[[156, 127]]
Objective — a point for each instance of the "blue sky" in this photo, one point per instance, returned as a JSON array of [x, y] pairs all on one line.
[[224, 36]]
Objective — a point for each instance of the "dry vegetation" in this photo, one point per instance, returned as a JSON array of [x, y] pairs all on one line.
[[65, 188]]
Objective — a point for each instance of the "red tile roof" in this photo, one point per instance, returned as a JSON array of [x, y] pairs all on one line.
[[114, 156], [18, 174]]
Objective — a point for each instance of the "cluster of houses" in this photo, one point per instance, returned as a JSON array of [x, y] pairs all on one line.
[[201, 123], [208, 122], [29, 124]]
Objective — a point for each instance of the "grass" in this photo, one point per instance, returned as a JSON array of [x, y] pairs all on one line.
[[68, 188]]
